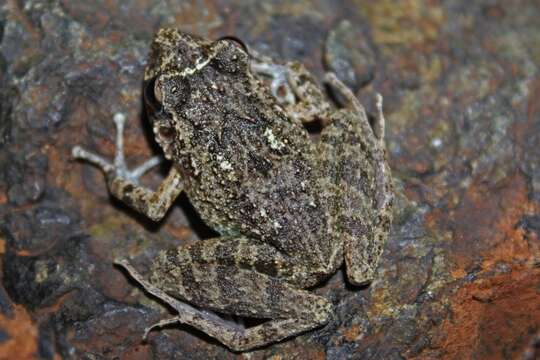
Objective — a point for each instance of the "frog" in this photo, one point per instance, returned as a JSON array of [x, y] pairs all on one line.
[[289, 210]]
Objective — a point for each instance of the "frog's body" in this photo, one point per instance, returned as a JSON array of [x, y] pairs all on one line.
[[289, 210]]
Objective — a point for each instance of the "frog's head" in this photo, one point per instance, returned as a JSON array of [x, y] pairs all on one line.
[[191, 84]]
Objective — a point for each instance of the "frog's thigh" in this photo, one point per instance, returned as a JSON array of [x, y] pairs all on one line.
[[248, 254], [215, 282], [351, 158]]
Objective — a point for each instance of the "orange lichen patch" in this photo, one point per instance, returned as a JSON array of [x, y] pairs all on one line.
[[2, 246], [180, 232], [491, 318], [353, 333], [458, 273], [24, 253], [510, 244], [22, 335], [514, 246], [485, 224]]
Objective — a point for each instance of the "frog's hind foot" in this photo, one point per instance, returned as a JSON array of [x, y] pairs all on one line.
[[354, 103], [378, 126], [117, 169], [160, 324], [212, 324]]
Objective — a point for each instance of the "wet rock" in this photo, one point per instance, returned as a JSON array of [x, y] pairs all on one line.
[[25, 177], [41, 280], [6, 307], [38, 229], [46, 344], [532, 351]]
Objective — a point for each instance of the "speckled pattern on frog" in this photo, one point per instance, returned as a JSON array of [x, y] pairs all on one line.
[[289, 210]]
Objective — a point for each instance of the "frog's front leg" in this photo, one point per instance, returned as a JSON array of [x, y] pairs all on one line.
[[124, 184], [223, 277], [295, 88]]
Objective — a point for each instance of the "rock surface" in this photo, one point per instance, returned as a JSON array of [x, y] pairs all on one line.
[[460, 276]]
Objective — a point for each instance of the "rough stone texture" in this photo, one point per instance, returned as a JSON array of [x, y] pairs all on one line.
[[460, 276]]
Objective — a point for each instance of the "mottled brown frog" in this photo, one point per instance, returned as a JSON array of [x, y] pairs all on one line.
[[289, 210]]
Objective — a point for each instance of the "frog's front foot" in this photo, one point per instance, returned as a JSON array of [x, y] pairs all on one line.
[[279, 86], [117, 169]]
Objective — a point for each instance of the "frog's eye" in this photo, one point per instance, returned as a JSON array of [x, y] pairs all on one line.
[[153, 96], [236, 41], [231, 55]]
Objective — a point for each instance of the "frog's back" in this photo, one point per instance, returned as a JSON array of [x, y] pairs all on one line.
[[264, 185], [247, 167], [286, 210]]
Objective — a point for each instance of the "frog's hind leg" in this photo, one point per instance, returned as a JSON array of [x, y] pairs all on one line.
[[221, 278], [353, 156]]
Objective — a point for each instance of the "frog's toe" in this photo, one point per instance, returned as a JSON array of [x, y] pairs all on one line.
[[118, 168], [160, 324], [120, 165], [81, 154]]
